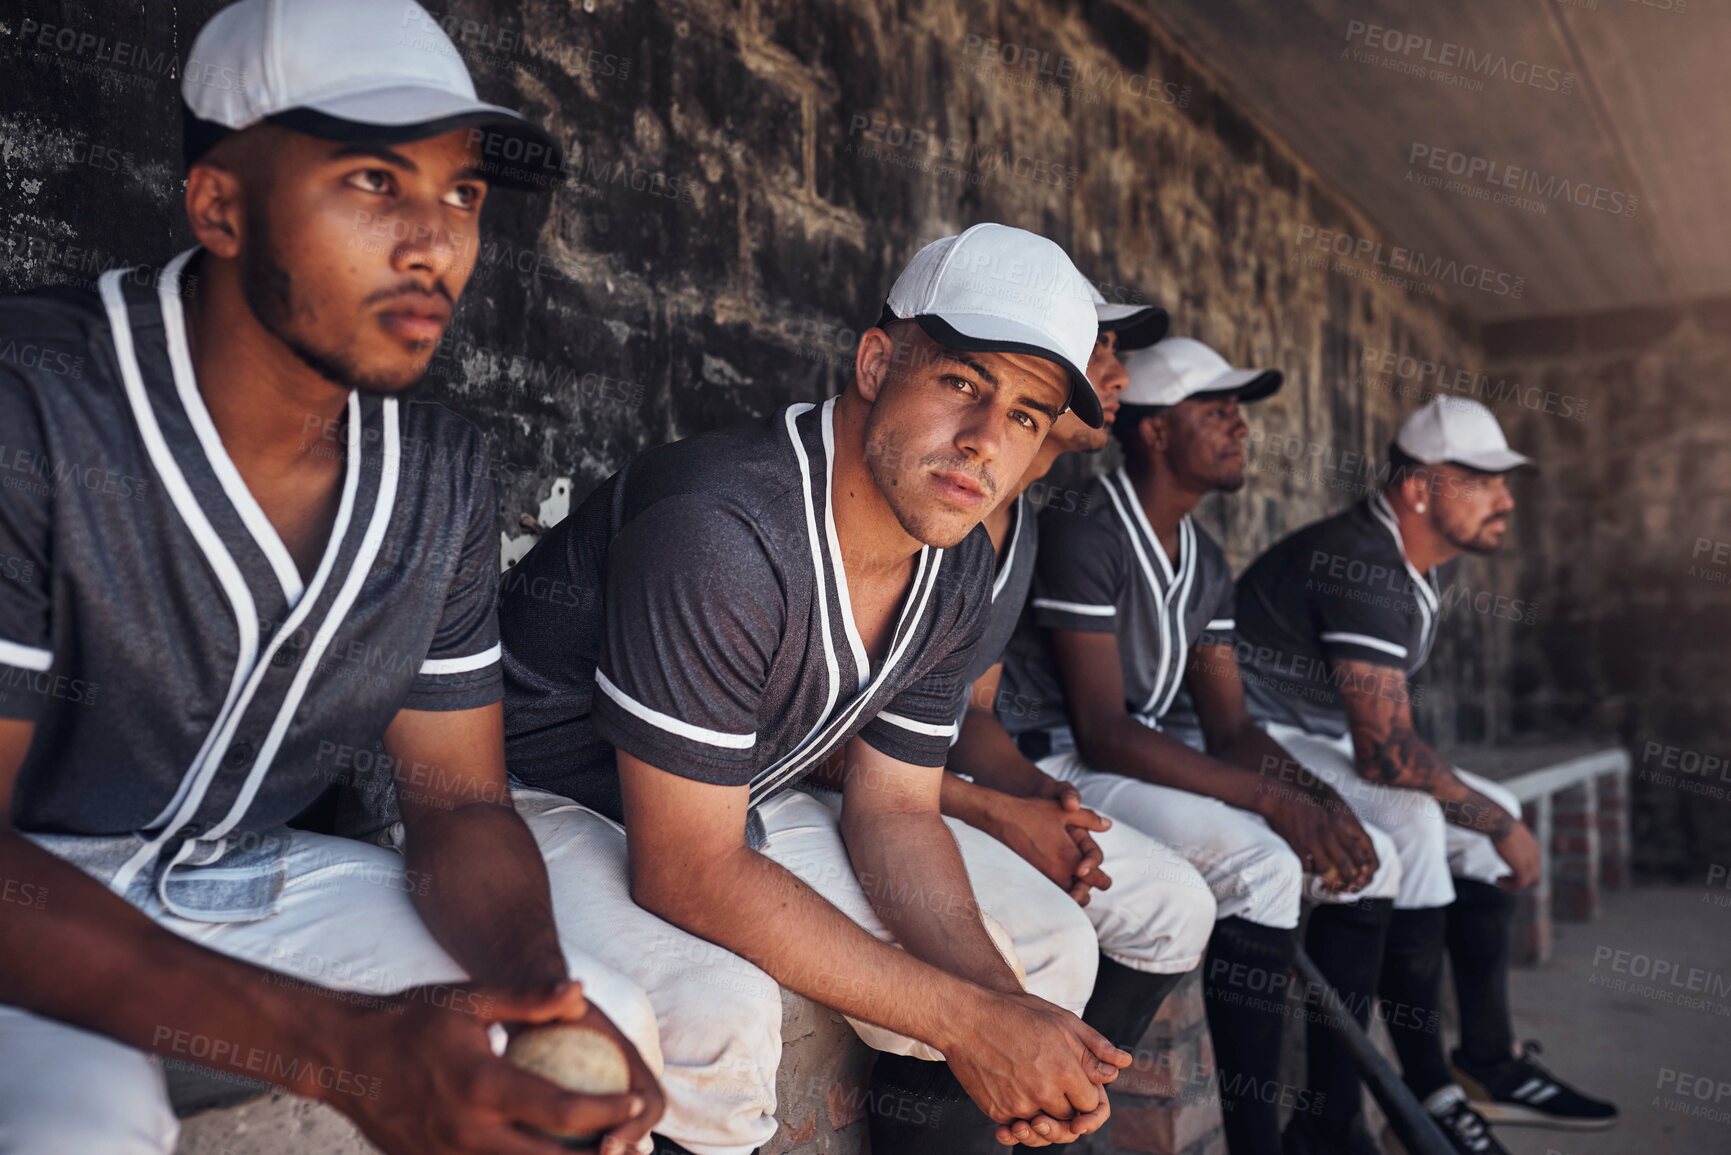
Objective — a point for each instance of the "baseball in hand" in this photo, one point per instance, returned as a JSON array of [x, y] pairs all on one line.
[[576, 1058]]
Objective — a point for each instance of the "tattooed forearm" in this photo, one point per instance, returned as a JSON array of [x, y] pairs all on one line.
[[1389, 752]]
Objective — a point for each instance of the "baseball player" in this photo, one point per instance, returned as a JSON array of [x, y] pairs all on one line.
[[1334, 620], [1131, 602], [1151, 909], [753, 599], [238, 552]]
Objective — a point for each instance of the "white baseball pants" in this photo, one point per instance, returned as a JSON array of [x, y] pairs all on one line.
[[1251, 871], [345, 922]]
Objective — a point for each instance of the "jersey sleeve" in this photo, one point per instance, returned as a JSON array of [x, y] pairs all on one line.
[[1221, 628], [693, 618], [1358, 621], [461, 669], [26, 599], [1078, 575], [920, 723]]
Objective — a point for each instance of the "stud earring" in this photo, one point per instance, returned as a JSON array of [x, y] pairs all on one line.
[[1419, 507]]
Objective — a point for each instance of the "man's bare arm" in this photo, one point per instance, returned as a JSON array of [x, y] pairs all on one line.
[[908, 864], [1232, 735], [984, 750], [1388, 751], [1110, 739], [477, 878], [1017, 1056], [77, 937], [417, 1075], [497, 922]]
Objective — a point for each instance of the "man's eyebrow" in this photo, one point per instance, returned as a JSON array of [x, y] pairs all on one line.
[[971, 362], [376, 152], [1038, 406]]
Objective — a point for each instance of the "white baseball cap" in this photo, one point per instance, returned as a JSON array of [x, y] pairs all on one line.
[[1137, 326], [361, 71], [999, 289], [1457, 431], [1180, 368]]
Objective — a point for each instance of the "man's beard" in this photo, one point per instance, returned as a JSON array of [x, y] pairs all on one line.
[[1479, 543], [270, 293]]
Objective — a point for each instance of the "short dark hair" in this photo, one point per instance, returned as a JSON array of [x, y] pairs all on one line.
[[1129, 420], [1400, 463]]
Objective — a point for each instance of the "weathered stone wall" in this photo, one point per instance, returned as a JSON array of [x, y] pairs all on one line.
[[1625, 544], [745, 180]]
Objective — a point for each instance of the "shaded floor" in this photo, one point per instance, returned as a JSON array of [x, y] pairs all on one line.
[[1628, 1025]]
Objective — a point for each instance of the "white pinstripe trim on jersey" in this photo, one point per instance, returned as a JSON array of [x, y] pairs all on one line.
[[1075, 608], [192, 790], [25, 657], [1008, 561], [1175, 613], [1363, 640], [831, 666], [438, 666], [228, 574], [913, 610], [671, 724], [1221, 624], [861, 660], [252, 515], [1428, 598], [389, 474], [926, 728]]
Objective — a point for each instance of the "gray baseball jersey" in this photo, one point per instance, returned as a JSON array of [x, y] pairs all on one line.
[[706, 627], [190, 692], [1105, 571], [1338, 588]]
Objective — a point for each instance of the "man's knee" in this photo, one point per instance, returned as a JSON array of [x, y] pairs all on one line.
[[1272, 881], [720, 1024], [1385, 883], [1055, 950], [626, 1006], [122, 1116], [1413, 822], [1186, 908]]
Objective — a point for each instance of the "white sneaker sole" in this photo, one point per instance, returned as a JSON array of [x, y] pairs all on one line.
[[1511, 1115]]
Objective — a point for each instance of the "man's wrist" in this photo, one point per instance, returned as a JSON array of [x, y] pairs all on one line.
[[315, 1026], [967, 1010]]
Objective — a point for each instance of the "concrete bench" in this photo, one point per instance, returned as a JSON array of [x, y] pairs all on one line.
[[1576, 800]]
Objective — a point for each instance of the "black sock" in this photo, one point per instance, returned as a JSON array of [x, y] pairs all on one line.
[[1412, 988], [1245, 980], [1479, 940], [1345, 941], [1125, 1001], [916, 1107]]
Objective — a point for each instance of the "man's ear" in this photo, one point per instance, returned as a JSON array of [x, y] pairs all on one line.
[[1155, 433], [1415, 487], [216, 210], [872, 362]]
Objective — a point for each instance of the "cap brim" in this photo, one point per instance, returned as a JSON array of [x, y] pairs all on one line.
[[998, 335], [1244, 385], [1494, 461], [515, 153], [1137, 326]]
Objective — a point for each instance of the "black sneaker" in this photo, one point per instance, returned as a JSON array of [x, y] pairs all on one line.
[[1519, 1091], [1464, 1128], [1304, 1136]]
